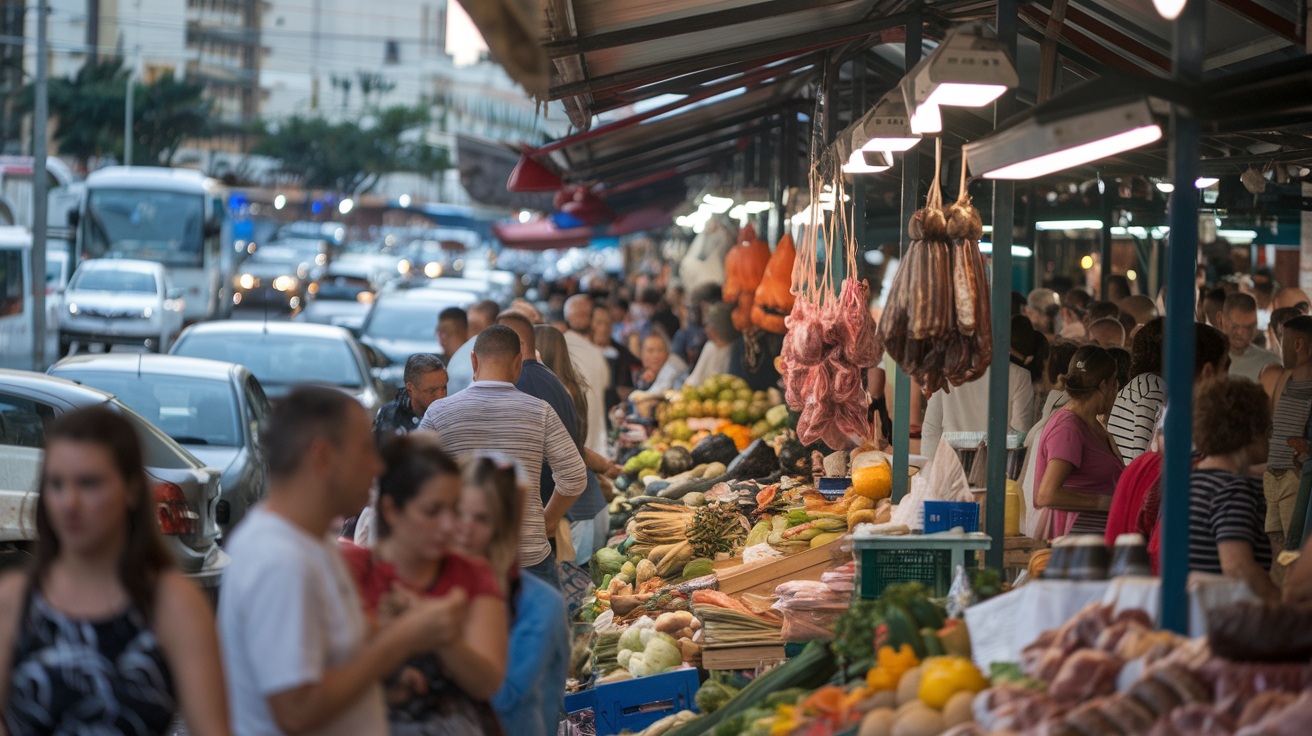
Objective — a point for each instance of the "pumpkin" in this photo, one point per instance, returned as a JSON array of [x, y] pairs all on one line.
[[744, 266], [774, 296]]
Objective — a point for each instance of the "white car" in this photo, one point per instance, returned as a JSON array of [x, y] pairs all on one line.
[[114, 301]]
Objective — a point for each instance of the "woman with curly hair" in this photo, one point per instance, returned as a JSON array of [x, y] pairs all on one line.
[[1227, 509]]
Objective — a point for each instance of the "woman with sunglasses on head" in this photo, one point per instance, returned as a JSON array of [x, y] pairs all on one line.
[[104, 634], [417, 517], [531, 701]]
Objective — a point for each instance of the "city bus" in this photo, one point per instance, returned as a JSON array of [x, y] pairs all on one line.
[[175, 217]]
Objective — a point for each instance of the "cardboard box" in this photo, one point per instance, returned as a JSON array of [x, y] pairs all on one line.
[[750, 657]]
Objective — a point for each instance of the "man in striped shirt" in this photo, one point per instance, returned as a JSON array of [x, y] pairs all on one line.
[[1293, 401], [494, 415]]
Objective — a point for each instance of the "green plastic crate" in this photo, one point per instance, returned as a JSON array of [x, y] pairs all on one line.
[[929, 560]]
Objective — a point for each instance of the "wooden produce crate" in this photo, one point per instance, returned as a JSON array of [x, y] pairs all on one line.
[[746, 657], [764, 577]]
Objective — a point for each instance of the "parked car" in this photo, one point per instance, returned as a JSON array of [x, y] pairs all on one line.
[[212, 409], [342, 297], [403, 322], [113, 301], [282, 354], [185, 491]]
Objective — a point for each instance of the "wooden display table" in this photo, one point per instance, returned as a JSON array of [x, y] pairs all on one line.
[[747, 657], [763, 577]]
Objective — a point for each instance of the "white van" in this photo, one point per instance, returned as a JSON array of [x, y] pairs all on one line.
[[16, 345]]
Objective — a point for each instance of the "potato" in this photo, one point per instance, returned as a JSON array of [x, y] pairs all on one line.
[[919, 721], [878, 722], [908, 688], [959, 709], [881, 699]]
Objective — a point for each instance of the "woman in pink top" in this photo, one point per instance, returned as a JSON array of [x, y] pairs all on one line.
[[1078, 464]]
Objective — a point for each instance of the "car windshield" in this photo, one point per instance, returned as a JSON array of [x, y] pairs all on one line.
[[109, 279], [341, 288], [193, 411], [152, 225], [279, 360], [390, 321]]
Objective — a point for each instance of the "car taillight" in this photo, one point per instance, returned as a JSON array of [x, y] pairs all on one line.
[[175, 517]]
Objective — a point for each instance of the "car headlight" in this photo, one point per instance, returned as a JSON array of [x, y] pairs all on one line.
[[247, 281], [284, 283], [403, 267], [72, 308], [147, 313], [433, 270]]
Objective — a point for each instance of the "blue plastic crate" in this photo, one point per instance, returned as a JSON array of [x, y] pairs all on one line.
[[941, 516], [637, 703]]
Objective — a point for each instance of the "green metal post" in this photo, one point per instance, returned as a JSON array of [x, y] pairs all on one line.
[[902, 382]]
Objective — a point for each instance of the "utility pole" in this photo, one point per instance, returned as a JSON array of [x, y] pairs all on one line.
[[40, 185], [129, 111]]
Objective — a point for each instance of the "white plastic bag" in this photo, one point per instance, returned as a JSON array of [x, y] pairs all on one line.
[[942, 480]]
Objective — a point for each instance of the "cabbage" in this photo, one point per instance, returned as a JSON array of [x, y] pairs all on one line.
[[638, 666], [662, 654], [631, 639], [607, 561], [624, 657]]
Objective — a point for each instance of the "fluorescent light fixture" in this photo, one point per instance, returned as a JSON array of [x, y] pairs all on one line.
[[887, 127], [1037, 146], [1249, 235], [717, 205], [1165, 187], [1017, 251], [1203, 182], [1068, 225], [971, 68], [346, 205], [867, 162], [757, 207], [1170, 9]]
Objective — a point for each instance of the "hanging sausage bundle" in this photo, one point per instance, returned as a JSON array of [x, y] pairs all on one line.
[[936, 323]]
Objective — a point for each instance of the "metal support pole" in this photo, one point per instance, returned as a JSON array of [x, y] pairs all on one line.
[[127, 119], [910, 201], [858, 221], [40, 183], [1004, 231], [1105, 240], [1179, 348]]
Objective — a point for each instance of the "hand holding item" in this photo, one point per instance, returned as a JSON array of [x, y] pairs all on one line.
[[434, 622]]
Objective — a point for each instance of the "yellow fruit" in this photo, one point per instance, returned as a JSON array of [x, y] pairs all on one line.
[[821, 540], [873, 481]]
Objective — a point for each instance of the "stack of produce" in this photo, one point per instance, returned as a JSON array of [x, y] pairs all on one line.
[[729, 622], [936, 323], [651, 647], [720, 402], [830, 343]]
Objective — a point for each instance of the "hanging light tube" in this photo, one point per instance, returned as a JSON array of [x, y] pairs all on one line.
[[867, 162], [971, 68], [1035, 147], [887, 127]]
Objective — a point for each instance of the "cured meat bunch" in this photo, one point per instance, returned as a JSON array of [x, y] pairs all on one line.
[[831, 341], [937, 323]]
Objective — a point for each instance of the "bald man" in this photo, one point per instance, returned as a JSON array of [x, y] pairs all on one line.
[[591, 365], [1291, 296]]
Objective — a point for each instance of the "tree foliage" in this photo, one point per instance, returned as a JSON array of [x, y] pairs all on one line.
[[349, 157], [89, 109]]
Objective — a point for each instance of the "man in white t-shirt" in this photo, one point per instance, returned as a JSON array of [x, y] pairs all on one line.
[[592, 365], [298, 656]]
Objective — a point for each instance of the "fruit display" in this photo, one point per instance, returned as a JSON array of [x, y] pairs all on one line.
[[696, 409]]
